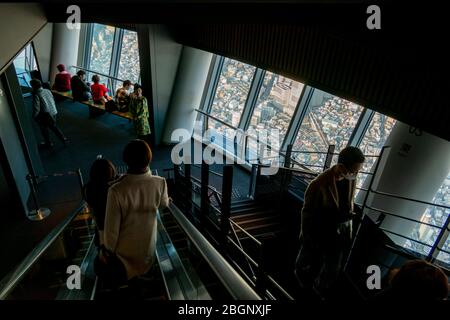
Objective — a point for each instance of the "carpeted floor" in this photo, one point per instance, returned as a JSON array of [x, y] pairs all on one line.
[[107, 135]]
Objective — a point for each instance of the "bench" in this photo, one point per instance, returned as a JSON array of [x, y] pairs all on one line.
[[68, 95]]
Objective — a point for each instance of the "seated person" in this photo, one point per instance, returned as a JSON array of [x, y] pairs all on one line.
[[101, 176], [80, 89], [416, 280], [99, 91], [122, 96], [62, 79], [133, 201]]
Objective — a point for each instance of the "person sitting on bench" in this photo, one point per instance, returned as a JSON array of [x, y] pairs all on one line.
[[80, 90], [122, 96], [62, 79], [99, 91]]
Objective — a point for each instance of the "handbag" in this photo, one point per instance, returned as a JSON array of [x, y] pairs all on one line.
[[110, 269], [110, 106]]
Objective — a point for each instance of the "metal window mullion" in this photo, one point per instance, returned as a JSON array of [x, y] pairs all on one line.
[[212, 87], [361, 127], [88, 46], [252, 97], [440, 240], [299, 115], [115, 55]]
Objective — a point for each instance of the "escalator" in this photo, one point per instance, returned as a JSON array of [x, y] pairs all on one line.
[[187, 267]]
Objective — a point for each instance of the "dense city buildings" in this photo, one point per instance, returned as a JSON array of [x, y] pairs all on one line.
[[101, 54], [101, 49], [231, 94], [129, 68]]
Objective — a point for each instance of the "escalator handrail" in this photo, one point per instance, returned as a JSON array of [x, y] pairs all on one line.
[[238, 288], [12, 279]]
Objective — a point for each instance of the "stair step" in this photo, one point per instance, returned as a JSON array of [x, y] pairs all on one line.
[[239, 217], [242, 201], [272, 226], [242, 210], [258, 220]]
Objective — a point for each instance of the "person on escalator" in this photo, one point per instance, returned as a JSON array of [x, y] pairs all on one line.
[[131, 208], [102, 174], [326, 223]]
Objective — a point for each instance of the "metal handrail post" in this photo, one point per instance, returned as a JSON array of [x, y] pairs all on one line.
[[204, 199], [227, 185], [329, 158], [363, 208], [38, 213]]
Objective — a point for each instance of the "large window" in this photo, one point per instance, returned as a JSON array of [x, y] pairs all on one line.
[[436, 216], [277, 100], [374, 139], [101, 48], [328, 120], [232, 91], [25, 64], [444, 255], [129, 68]]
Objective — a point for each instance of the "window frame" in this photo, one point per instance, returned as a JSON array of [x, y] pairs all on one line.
[[116, 51]]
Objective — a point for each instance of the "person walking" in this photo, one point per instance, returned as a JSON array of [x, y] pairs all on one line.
[[44, 113]]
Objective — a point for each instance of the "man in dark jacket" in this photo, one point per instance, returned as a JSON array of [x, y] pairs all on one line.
[[80, 89], [326, 229]]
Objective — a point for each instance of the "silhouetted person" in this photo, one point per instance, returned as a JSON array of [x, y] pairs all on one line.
[[80, 89], [416, 280], [326, 227], [44, 113], [62, 79], [101, 176], [130, 223]]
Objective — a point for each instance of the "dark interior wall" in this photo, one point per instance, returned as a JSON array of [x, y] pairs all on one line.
[[19, 23], [24, 122], [15, 159], [5, 193]]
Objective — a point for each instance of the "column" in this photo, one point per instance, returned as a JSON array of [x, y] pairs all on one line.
[[188, 90], [415, 166], [64, 48]]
